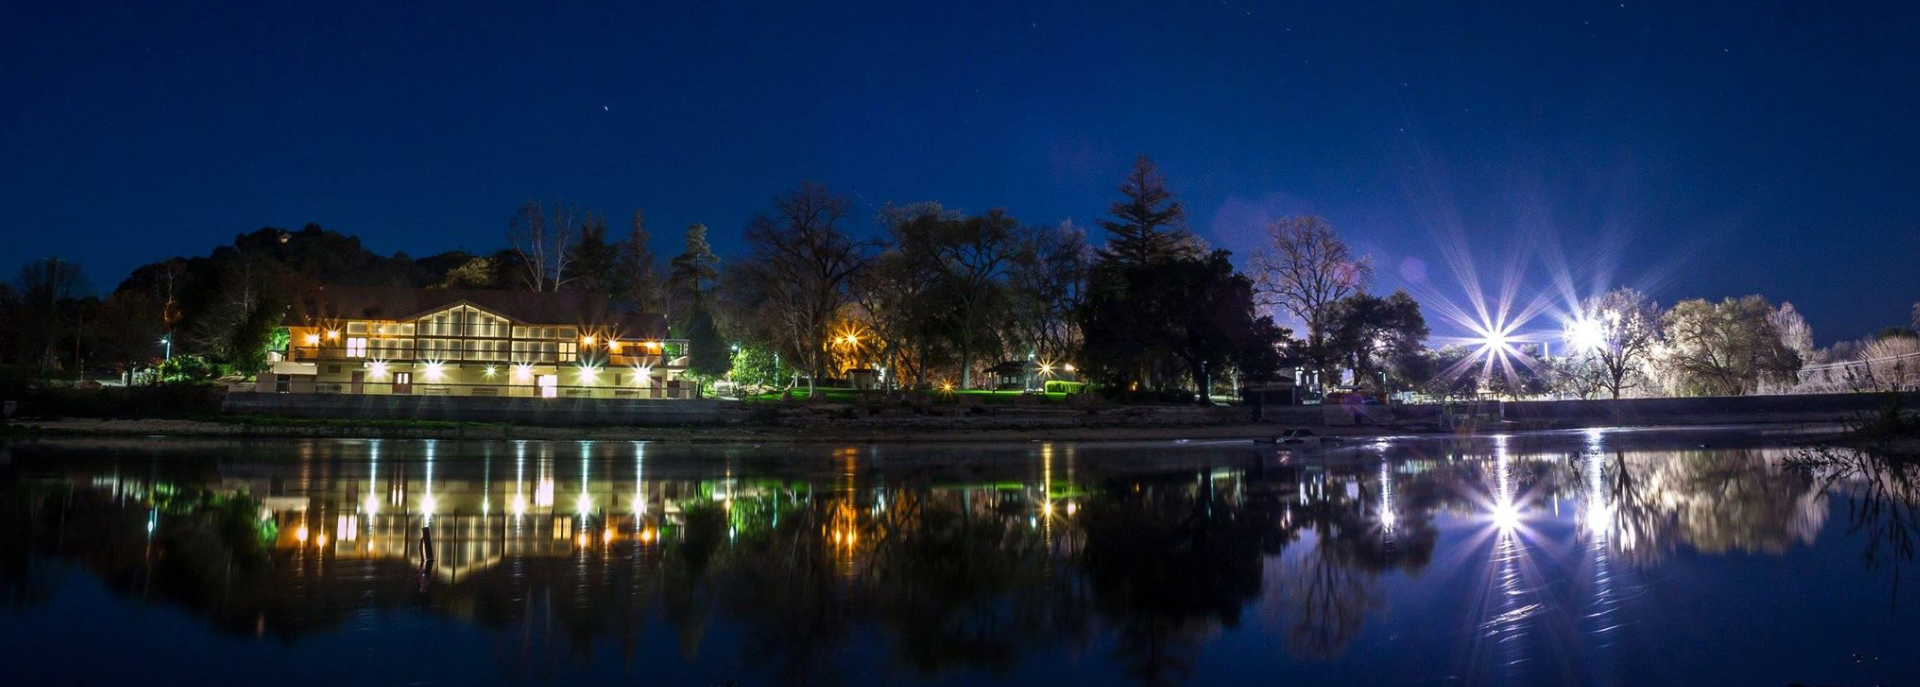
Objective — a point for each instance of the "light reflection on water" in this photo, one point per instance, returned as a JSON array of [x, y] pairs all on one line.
[[1579, 558]]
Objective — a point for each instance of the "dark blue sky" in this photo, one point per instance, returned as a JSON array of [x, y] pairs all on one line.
[[1691, 150]]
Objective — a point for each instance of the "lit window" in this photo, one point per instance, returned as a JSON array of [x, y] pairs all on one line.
[[357, 347]]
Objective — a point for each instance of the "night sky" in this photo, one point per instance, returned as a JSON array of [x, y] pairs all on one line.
[[1693, 151]]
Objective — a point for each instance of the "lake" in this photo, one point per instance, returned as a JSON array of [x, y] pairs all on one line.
[[1599, 557]]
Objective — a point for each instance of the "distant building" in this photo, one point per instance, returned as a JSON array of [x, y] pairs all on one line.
[[1029, 375], [450, 342]]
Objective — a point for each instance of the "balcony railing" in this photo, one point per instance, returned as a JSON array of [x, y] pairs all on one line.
[[658, 361], [389, 387]]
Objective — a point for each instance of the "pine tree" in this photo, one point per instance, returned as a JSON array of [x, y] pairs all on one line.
[[689, 276], [1149, 225], [594, 260], [633, 270]]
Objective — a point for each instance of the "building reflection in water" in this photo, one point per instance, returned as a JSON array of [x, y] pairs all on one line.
[[960, 564]]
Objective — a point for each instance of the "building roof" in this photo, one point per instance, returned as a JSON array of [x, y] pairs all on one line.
[[589, 311]]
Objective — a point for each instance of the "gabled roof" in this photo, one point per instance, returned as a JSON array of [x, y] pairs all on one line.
[[591, 311]]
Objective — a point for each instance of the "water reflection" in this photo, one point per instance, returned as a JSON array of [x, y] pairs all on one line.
[[810, 567], [1881, 490]]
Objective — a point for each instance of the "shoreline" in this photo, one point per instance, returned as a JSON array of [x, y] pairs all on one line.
[[778, 434]]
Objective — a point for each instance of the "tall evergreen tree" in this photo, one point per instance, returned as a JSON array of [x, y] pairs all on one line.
[[1126, 312], [1148, 224], [633, 269], [594, 261], [690, 275]]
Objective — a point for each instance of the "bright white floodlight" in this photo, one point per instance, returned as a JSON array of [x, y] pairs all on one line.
[[1586, 334], [1495, 340]]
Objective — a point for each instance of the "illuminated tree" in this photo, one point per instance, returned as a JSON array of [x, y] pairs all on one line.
[[1726, 348], [476, 273], [1615, 334], [1887, 364], [1794, 331], [1579, 376]]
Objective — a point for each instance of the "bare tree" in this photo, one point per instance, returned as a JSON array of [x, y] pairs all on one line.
[[899, 291], [974, 254], [1616, 334], [47, 289], [803, 256], [1305, 268], [1888, 364], [1048, 276], [544, 237]]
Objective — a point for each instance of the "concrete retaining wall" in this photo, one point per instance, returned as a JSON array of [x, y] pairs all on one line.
[[531, 411], [1708, 410]]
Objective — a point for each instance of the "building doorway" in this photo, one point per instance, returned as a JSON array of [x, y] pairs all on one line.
[[359, 384], [549, 386], [403, 382]]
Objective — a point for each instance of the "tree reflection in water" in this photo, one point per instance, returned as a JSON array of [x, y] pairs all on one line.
[[1882, 490], [1713, 502], [951, 570], [1169, 563]]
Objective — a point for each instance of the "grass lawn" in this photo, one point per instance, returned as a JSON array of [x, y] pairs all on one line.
[[980, 396]]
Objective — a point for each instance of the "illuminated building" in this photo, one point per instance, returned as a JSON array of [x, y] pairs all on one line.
[[451, 342]]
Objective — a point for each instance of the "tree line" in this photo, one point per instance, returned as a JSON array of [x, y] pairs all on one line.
[[929, 297]]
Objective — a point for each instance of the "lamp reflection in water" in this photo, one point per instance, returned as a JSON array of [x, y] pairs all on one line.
[[1510, 592], [428, 504], [1387, 517], [1598, 518], [641, 533], [518, 503]]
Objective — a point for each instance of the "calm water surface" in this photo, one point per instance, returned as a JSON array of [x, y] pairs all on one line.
[[1585, 558]]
